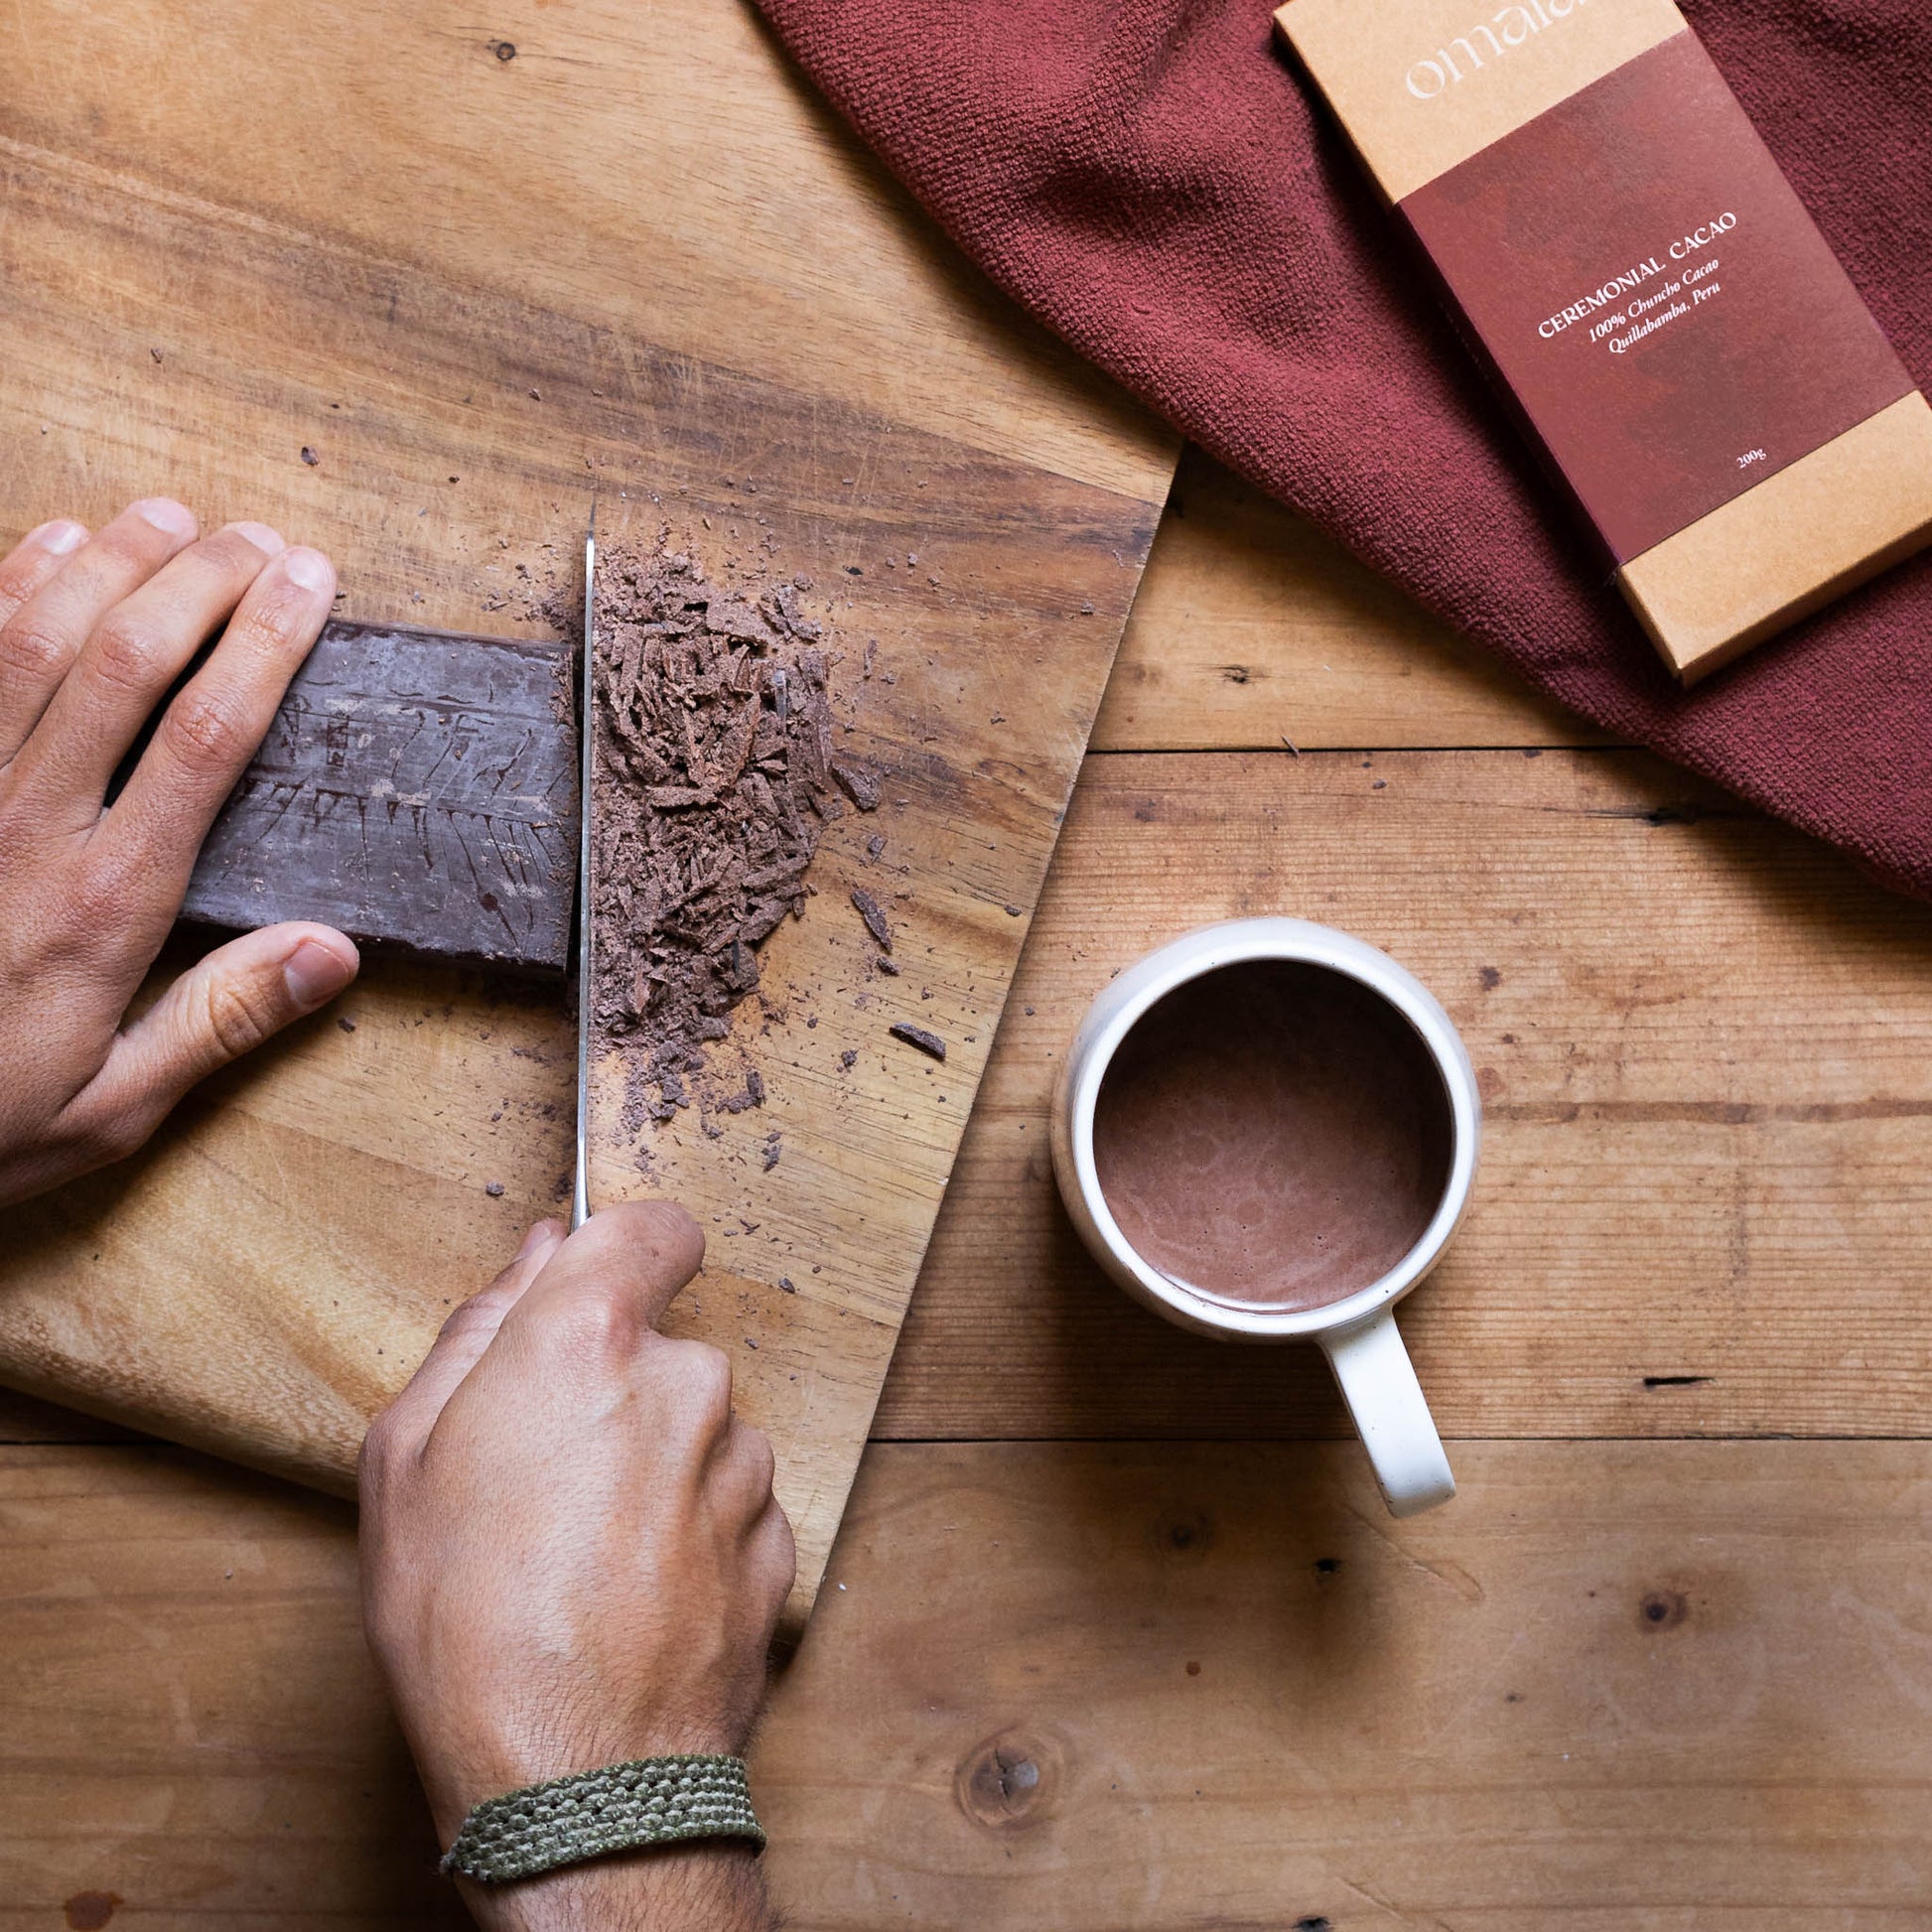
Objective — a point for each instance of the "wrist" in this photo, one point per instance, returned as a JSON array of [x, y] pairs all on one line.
[[466, 1768], [707, 1885]]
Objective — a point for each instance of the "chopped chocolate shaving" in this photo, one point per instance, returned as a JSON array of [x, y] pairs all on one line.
[[714, 780], [859, 782], [882, 933], [918, 1036], [890, 967], [849, 1059]]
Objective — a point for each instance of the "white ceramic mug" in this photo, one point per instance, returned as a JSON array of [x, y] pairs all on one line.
[[1357, 1333]]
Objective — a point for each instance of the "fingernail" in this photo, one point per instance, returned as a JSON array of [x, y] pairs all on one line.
[[271, 543], [167, 515], [316, 973], [543, 1231], [61, 536], [309, 569]]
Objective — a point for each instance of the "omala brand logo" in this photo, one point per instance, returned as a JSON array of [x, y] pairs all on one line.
[[1463, 56]]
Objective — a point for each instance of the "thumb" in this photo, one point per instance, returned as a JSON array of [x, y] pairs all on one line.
[[228, 1004]]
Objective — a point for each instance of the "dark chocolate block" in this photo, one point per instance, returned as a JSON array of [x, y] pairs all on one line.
[[418, 787]]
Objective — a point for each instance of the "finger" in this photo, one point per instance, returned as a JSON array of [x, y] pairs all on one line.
[[225, 1005], [217, 721], [34, 559], [460, 1346], [41, 639], [745, 1469], [634, 1257], [774, 1551], [134, 655]]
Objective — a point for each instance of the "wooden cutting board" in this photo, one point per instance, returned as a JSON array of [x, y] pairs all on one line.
[[412, 286]]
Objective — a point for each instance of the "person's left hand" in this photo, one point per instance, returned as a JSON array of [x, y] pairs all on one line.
[[94, 631]]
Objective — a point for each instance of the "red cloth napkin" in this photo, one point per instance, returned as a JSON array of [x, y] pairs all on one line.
[[1153, 181]]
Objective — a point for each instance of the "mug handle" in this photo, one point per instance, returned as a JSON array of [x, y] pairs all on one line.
[[1378, 1382]]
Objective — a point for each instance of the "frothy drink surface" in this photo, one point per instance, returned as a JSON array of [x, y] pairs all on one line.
[[1273, 1134]]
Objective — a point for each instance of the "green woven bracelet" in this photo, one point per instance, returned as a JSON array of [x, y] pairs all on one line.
[[649, 1801]]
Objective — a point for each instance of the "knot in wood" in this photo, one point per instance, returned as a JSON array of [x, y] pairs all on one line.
[[1663, 1610], [1009, 1781], [1183, 1534]]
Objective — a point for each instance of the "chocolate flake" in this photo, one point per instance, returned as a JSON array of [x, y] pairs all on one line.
[[918, 1036], [882, 933], [859, 782]]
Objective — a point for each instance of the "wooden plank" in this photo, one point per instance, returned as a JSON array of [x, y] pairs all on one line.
[[629, 176], [418, 787], [1706, 1048], [1669, 1687], [185, 310], [1252, 627], [24, 1420], [235, 1764], [1608, 1680]]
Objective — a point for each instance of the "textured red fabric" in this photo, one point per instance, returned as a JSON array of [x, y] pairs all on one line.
[[1153, 181]]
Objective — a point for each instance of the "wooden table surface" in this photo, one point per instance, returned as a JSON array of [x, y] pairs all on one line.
[[1117, 1633]]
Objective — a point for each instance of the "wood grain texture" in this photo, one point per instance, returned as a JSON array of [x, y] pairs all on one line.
[[1253, 628], [416, 786], [1701, 1209], [261, 1275], [191, 307], [1661, 1686], [1705, 1047], [632, 176]]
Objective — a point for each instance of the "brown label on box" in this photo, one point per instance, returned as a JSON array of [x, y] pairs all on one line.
[[1646, 283]]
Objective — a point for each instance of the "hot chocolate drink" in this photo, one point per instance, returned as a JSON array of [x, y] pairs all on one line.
[[1273, 1134]]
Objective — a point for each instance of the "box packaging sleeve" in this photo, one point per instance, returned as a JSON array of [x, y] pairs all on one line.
[[1626, 259]]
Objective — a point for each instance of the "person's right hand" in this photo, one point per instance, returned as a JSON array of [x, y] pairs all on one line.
[[94, 632], [572, 1557]]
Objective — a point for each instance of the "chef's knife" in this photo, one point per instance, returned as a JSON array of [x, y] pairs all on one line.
[[580, 1205]]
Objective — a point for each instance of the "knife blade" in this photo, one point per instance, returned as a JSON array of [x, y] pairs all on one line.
[[580, 1201]]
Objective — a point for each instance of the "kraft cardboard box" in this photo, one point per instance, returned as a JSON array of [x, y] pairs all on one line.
[[1628, 261]]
